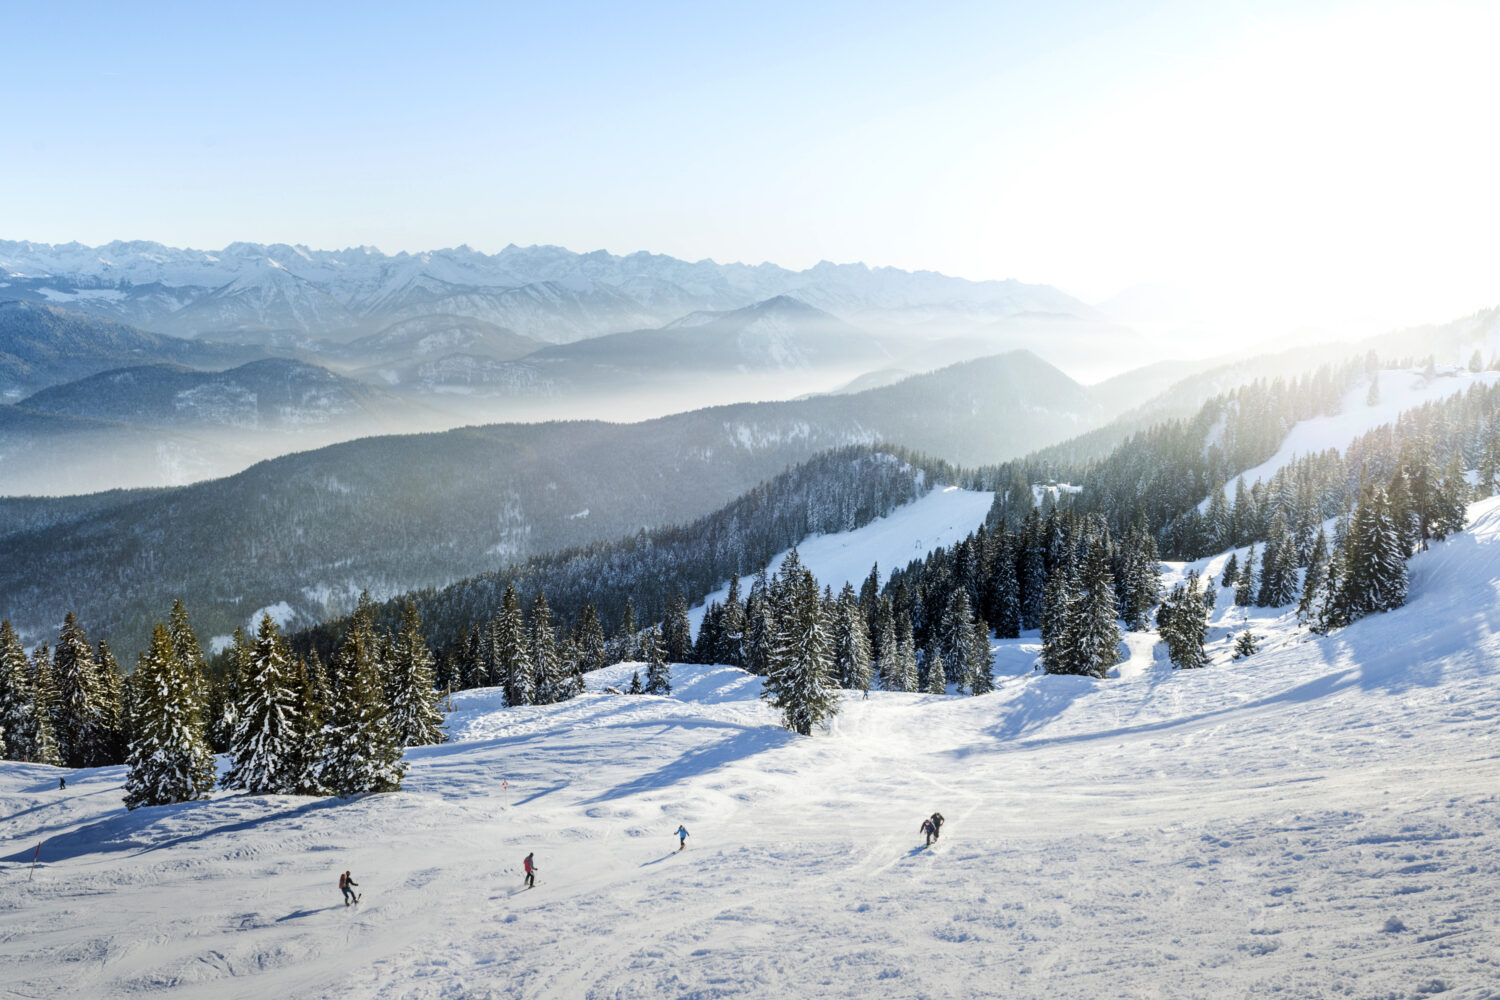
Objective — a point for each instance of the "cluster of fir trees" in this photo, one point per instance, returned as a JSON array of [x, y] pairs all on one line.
[[67, 705], [288, 724], [292, 726], [1058, 571]]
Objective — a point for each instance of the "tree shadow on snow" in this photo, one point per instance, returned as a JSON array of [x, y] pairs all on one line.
[[744, 741], [130, 832]]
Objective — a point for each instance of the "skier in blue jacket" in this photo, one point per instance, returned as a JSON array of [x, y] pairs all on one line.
[[681, 836]]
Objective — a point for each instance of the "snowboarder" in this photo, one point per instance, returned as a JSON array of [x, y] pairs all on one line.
[[930, 830], [530, 872], [347, 883], [62, 783], [937, 825], [681, 836]]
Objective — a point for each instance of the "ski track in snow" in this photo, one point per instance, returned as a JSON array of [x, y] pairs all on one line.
[[1317, 820]]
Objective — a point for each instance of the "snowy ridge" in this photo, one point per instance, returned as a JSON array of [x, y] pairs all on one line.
[[1318, 820]]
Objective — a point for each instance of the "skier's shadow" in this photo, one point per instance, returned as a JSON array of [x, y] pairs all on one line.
[[657, 861], [307, 913]]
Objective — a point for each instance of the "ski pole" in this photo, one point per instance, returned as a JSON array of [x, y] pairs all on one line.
[[33, 860]]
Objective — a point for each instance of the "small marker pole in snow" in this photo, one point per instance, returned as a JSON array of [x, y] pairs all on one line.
[[33, 860]]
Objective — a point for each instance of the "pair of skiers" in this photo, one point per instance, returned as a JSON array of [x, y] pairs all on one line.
[[932, 826]]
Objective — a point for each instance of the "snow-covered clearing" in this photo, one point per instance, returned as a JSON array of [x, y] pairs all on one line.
[[1318, 820], [941, 518], [1399, 391]]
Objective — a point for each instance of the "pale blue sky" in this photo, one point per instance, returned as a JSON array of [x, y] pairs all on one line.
[[1088, 145]]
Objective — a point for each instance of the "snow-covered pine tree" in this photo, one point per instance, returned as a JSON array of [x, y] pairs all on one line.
[[550, 681], [1182, 623], [1231, 575], [17, 721], [635, 683], [676, 631], [729, 649], [1245, 645], [1313, 580], [760, 633], [1093, 631], [623, 649], [1057, 615], [954, 636], [512, 656], [800, 684], [82, 735], [905, 673], [1139, 586], [1278, 577], [473, 672], [1244, 587], [658, 672], [979, 675], [888, 666], [414, 715], [313, 707], [1031, 577], [592, 652], [934, 675], [267, 728], [710, 633], [851, 643], [169, 759], [190, 656], [113, 721], [361, 752], [1005, 588], [1374, 569]]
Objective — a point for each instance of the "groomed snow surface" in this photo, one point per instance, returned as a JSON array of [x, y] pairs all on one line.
[[1316, 821]]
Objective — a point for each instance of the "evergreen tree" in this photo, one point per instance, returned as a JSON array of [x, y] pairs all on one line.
[[728, 650], [512, 658], [473, 672], [313, 707], [550, 683], [414, 714], [905, 672], [1182, 623], [955, 637], [190, 656], [979, 675], [760, 633], [1374, 569], [888, 666], [1313, 580], [113, 720], [800, 685], [676, 632], [1092, 632], [169, 759], [267, 728], [1231, 577], [1005, 590], [79, 720], [362, 753], [1139, 585], [1032, 578], [1057, 612], [635, 683], [17, 718], [851, 643], [625, 640], [1278, 575], [658, 673], [1244, 587], [1245, 645], [592, 652]]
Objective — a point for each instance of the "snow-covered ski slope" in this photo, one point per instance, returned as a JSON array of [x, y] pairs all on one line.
[[1319, 820], [944, 516], [1400, 390]]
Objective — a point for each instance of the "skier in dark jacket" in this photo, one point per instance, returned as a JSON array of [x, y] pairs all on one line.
[[347, 883], [530, 872], [937, 825], [681, 836], [930, 830]]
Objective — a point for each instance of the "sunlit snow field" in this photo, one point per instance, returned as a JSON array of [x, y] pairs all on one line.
[[1318, 820]]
